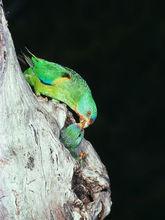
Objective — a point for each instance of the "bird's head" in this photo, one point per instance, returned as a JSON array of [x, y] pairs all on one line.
[[87, 110], [72, 136]]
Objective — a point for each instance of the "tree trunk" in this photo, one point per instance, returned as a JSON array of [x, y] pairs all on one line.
[[39, 179]]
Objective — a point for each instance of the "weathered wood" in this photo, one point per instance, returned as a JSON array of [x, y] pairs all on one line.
[[39, 179]]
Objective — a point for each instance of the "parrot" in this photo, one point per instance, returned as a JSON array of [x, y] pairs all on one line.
[[65, 85]]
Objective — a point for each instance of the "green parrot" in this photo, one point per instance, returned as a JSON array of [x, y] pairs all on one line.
[[63, 84]]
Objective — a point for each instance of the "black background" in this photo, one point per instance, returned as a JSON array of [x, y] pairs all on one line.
[[117, 46]]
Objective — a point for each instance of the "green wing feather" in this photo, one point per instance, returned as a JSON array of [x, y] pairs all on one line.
[[48, 72]]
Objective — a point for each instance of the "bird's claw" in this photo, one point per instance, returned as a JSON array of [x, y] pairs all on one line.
[[82, 155]]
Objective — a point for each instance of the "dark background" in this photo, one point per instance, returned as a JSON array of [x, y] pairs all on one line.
[[117, 47]]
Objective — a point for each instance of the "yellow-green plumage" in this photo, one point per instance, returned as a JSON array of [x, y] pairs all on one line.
[[63, 84]]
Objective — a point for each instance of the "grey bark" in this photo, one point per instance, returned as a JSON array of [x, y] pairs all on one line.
[[39, 179]]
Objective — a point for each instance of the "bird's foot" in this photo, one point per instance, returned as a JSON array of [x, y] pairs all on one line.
[[82, 157]]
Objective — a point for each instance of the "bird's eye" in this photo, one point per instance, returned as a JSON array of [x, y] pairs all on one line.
[[88, 113]]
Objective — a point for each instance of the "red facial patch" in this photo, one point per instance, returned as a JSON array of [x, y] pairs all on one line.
[[91, 121]]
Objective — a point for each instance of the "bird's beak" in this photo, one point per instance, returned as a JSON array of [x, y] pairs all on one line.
[[85, 122]]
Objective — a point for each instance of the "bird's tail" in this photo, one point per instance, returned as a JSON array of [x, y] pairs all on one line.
[[26, 59]]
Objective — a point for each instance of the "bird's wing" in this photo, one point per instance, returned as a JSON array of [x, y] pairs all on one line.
[[51, 73], [53, 79]]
